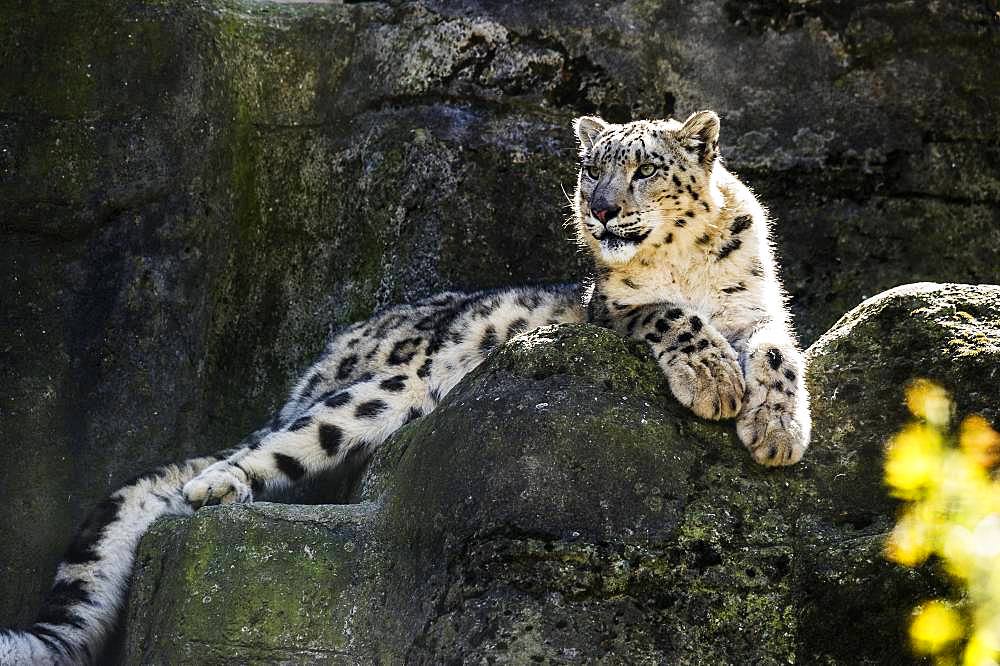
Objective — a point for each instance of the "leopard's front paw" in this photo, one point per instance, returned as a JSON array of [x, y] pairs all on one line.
[[773, 433], [218, 484], [709, 382]]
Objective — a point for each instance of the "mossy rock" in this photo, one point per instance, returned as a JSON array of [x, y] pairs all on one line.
[[257, 584], [859, 369], [559, 506], [195, 193]]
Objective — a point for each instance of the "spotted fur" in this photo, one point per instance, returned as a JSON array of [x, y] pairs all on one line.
[[684, 264], [372, 378]]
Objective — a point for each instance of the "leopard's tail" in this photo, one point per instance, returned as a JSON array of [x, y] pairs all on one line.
[[84, 605]]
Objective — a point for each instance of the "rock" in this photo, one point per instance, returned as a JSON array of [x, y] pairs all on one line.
[[255, 584], [560, 506], [195, 194], [949, 333]]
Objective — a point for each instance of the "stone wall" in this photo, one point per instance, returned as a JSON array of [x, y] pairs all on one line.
[[194, 193]]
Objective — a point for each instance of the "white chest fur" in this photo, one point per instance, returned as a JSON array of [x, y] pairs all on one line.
[[730, 292]]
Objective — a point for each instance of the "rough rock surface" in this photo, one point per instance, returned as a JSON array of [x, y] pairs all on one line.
[[560, 507], [949, 333], [193, 193], [263, 584]]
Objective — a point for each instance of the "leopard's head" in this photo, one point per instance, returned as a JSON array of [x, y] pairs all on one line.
[[643, 183]]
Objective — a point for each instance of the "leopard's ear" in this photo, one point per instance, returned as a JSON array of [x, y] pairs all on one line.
[[700, 135], [587, 130]]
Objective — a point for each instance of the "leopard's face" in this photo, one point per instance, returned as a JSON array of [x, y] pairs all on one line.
[[642, 183]]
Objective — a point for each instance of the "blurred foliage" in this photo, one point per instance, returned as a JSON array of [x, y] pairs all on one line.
[[952, 513]]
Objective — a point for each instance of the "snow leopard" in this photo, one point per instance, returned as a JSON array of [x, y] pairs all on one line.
[[681, 260]]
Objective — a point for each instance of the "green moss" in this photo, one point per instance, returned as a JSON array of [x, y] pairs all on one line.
[[580, 350], [558, 503], [63, 83], [237, 598]]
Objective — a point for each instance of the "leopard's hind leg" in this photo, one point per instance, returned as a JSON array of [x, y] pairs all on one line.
[[362, 414]]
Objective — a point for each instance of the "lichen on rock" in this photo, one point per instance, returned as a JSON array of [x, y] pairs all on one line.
[[195, 193], [256, 584], [560, 506]]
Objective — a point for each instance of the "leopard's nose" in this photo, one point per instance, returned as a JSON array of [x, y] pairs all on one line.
[[605, 213]]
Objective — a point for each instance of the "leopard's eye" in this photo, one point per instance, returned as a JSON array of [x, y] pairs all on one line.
[[645, 171], [592, 172]]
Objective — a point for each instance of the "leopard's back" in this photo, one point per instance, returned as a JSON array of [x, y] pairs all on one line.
[[438, 339]]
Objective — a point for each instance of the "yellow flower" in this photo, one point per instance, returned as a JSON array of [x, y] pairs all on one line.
[[980, 441], [909, 544], [957, 551], [952, 490], [913, 461], [934, 627], [981, 650], [929, 401]]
